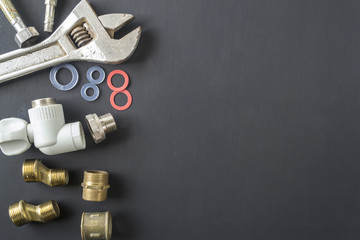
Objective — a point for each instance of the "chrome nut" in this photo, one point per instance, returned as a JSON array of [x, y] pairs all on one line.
[[95, 128], [26, 37], [100, 126]]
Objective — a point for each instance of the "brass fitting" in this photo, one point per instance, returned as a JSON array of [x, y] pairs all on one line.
[[34, 171], [100, 126], [22, 212], [96, 226], [95, 185]]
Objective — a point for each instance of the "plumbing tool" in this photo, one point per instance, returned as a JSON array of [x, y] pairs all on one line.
[[26, 36], [83, 36]]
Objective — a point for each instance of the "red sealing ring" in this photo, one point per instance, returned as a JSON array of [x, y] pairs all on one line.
[[126, 80], [128, 103]]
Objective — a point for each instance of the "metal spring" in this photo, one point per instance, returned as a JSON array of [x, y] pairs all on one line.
[[81, 35]]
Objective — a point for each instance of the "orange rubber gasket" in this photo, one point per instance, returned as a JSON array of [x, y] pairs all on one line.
[[121, 88], [128, 103]]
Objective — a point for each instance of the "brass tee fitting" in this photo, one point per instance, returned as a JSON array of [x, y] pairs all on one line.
[[96, 226], [34, 171], [95, 185], [22, 212]]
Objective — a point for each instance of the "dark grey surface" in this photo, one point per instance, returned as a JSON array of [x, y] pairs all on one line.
[[244, 125]]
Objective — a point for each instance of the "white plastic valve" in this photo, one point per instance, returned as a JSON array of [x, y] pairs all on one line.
[[47, 130], [46, 121], [13, 136]]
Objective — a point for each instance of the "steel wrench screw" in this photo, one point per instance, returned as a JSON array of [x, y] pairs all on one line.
[[26, 36], [80, 35], [49, 15], [83, 36]]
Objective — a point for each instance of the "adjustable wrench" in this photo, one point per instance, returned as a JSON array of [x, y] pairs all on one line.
[[83, 36]]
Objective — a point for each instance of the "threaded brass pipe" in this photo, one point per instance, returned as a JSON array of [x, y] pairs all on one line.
[[34, 171], [95, 185], [22, 212]]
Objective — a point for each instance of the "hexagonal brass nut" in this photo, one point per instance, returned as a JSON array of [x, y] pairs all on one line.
[[26, 37]]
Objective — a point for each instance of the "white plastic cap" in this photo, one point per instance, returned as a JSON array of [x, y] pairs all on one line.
[[13, 136]]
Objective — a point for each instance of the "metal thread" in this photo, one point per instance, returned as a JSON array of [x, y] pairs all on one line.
[[43, 102], [22, 212], [15, 214], [59, 177], [28, 170], [49, 210], [34, 171], [108, 123], [95, 185]]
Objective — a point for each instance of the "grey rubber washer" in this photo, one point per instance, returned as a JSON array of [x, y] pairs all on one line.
[[87, 97], [90, 72], [71, 84]]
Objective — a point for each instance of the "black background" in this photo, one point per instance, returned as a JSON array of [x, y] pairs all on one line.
[[244, 124]]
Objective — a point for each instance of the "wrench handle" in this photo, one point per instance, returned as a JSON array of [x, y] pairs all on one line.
[[24, 61], [9, 10]]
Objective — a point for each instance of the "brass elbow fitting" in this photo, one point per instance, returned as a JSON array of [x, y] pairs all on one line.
[[96, 226], [22, 212], [34, 171], [95, 185]]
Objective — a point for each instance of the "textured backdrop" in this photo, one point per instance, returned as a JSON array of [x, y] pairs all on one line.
[[244, 124]]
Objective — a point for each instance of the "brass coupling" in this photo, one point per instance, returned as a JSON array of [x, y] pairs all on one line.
[[95, 185], [96, 226], [34, 171], [22, 212]]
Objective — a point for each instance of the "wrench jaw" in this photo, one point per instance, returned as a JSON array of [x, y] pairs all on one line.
[[110, 50], [103, 48], [113, 22], [126, 46], [116, 51]]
